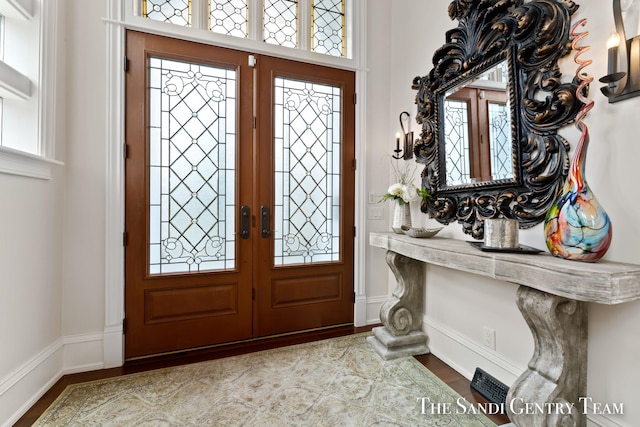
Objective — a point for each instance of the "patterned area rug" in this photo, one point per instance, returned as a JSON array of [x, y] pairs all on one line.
[[335, 382]]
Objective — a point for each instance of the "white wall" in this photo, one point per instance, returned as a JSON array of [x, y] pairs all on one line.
[[84, 269], [30, 286], [458, 305]]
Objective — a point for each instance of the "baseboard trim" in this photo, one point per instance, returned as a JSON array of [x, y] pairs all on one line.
[[360, 311], [82, 353], [8, 382], [509, 370], [373, 309], [29, 382], [598, 420], [32, 401]]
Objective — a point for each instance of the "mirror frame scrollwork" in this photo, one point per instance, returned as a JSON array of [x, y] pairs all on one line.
[[533, 36]]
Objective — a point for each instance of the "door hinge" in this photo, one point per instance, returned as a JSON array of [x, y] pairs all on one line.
[[125, 151], [126, 64], [125, 238], [253, 123], [253, 293], [355, 98], [354, 297], [354, 231], [124, 325], [355, 164]]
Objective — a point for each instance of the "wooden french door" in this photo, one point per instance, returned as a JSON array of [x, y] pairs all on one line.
[[239, 193], [305, 157]]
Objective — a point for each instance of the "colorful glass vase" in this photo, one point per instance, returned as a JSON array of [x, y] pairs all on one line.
[[576, 226]]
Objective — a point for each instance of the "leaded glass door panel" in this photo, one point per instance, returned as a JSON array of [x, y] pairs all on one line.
[[306, 152], [188, 273]]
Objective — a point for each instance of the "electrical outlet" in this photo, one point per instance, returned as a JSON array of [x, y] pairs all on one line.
[[489, 338]]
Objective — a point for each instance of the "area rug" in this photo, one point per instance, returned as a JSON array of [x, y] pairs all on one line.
[[334, 382]]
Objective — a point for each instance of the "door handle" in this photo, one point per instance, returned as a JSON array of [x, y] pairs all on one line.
[[265, 221], [245, 221]]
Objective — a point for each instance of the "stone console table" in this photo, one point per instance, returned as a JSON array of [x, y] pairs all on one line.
[[552, 298]]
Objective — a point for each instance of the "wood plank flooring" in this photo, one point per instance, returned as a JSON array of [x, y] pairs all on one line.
[[456, 381]]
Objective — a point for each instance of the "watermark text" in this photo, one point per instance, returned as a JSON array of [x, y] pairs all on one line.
[[585, 406]]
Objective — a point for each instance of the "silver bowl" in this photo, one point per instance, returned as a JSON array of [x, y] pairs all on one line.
[[421, 232]]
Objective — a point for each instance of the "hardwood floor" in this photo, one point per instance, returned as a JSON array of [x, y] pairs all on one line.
[[456, 381]]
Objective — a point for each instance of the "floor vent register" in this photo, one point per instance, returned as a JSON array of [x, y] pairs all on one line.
[[489, 387]]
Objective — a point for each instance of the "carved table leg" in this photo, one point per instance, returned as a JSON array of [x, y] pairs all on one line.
[[548, 393], [402, 313]]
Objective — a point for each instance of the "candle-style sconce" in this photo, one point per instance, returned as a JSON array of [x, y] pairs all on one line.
[[406, 152], [623, 70]]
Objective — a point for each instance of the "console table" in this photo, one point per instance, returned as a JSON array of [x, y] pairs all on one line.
[[552, 298]]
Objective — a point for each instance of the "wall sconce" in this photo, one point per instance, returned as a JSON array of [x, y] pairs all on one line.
[[623, 71], [407, 149]]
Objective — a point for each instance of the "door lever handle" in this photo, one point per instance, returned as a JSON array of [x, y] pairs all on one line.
[[265, 221], [245, 221]]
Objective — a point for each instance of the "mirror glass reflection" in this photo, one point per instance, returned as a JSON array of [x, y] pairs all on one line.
[[477, 129]]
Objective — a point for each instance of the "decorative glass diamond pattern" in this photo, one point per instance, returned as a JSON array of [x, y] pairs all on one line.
[[328, 27], [500, 137], [307, 172], [228, 17], [280, 22], [456, 130], [192, 160], [173, 11]]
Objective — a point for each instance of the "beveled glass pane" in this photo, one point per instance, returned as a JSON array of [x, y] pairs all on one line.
[[307, 172], [500, 137], [191, 167], [456, 130], [280, 22], [228, 17], [173, 11], [328, 27]]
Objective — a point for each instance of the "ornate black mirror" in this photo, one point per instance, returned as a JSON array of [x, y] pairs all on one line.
[[490, 110]]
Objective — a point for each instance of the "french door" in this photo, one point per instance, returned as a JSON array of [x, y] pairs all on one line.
[[239, 193]]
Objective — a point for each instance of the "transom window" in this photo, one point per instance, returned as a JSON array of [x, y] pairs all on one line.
[[314, 25], [174, 11], [229, 17]]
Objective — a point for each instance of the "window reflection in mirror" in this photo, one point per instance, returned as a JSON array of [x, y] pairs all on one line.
[[477, 129]]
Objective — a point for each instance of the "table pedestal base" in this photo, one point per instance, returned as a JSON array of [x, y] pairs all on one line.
[[402, 313], [390, 346], [548, 392]]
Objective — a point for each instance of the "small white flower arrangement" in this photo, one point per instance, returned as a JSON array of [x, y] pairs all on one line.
[[403, 191]]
